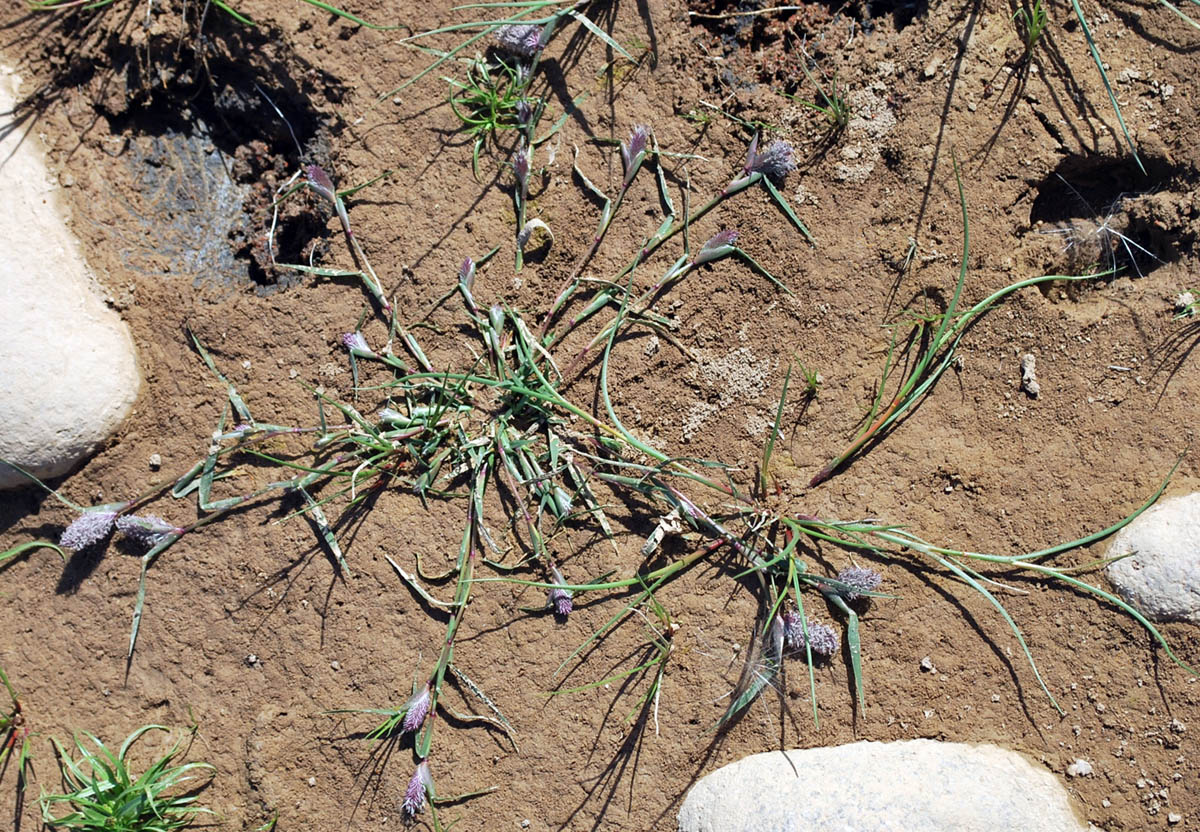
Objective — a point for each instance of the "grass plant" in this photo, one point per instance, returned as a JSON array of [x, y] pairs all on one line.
[[922, 348], [15, 738], [512, 32], [832, 104], [1031, 24], [500, 425], [491, 98], [103, 794]]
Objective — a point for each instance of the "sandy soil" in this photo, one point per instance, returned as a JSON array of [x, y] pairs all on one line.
[[161, 139]]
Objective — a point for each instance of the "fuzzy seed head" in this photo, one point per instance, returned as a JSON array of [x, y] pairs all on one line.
[[560, 598], [414, 795], [718, 246], [320, 181], [146, 529], [88, 529], [356, 343], [524, 111], [723, 238], [466, 272], [416, 710], [822, 638], [776, 162], [521, 39], [860, 578], [636, 145], [521, 162]]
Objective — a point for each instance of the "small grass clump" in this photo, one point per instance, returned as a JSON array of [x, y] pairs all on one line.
[[102, 794], [14, 736], [491, 99], [1031, 24], [832, 102]]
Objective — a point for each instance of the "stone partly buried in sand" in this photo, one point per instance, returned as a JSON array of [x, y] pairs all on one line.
[[1162, 575], [68, 372], [907, 786]]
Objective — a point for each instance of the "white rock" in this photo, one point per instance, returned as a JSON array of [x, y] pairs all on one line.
[[1162, 577], [906, 786], [68, 371], [1079, 768]]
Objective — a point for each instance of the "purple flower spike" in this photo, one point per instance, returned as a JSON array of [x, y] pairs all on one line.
[[776, 162], [320, 182], [860, 578], [560, 596], [418, 786], [88, 529], [633, 152], [521, 39], [822, 638], [146, 529], [416, 710], [522, 160], [524, 111], [466, 272], [718, 246], [357, 344]]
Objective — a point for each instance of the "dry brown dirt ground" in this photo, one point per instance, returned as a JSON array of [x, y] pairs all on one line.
[[160, 139]]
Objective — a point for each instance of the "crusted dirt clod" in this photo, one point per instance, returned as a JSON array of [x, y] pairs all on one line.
[[1029, 382]]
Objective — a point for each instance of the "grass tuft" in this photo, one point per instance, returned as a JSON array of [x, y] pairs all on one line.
[[103, 794]]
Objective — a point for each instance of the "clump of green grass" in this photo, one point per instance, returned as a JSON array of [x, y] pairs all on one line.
[[522, 33], [492, 98], [832, 102], [103, 794]]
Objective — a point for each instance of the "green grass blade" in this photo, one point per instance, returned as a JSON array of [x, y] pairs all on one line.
[[352, 18], [232, 12], [853, 640], [1112, 96], [22, 548], [1187, 19], [769, 448], [415, 585], [323, 528], [949, 563], [781, 200], [758, 267], [600, 33]]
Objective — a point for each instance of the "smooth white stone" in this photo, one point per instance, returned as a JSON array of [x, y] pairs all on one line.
[[68, 370], [906, 786], [1162, 577]]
